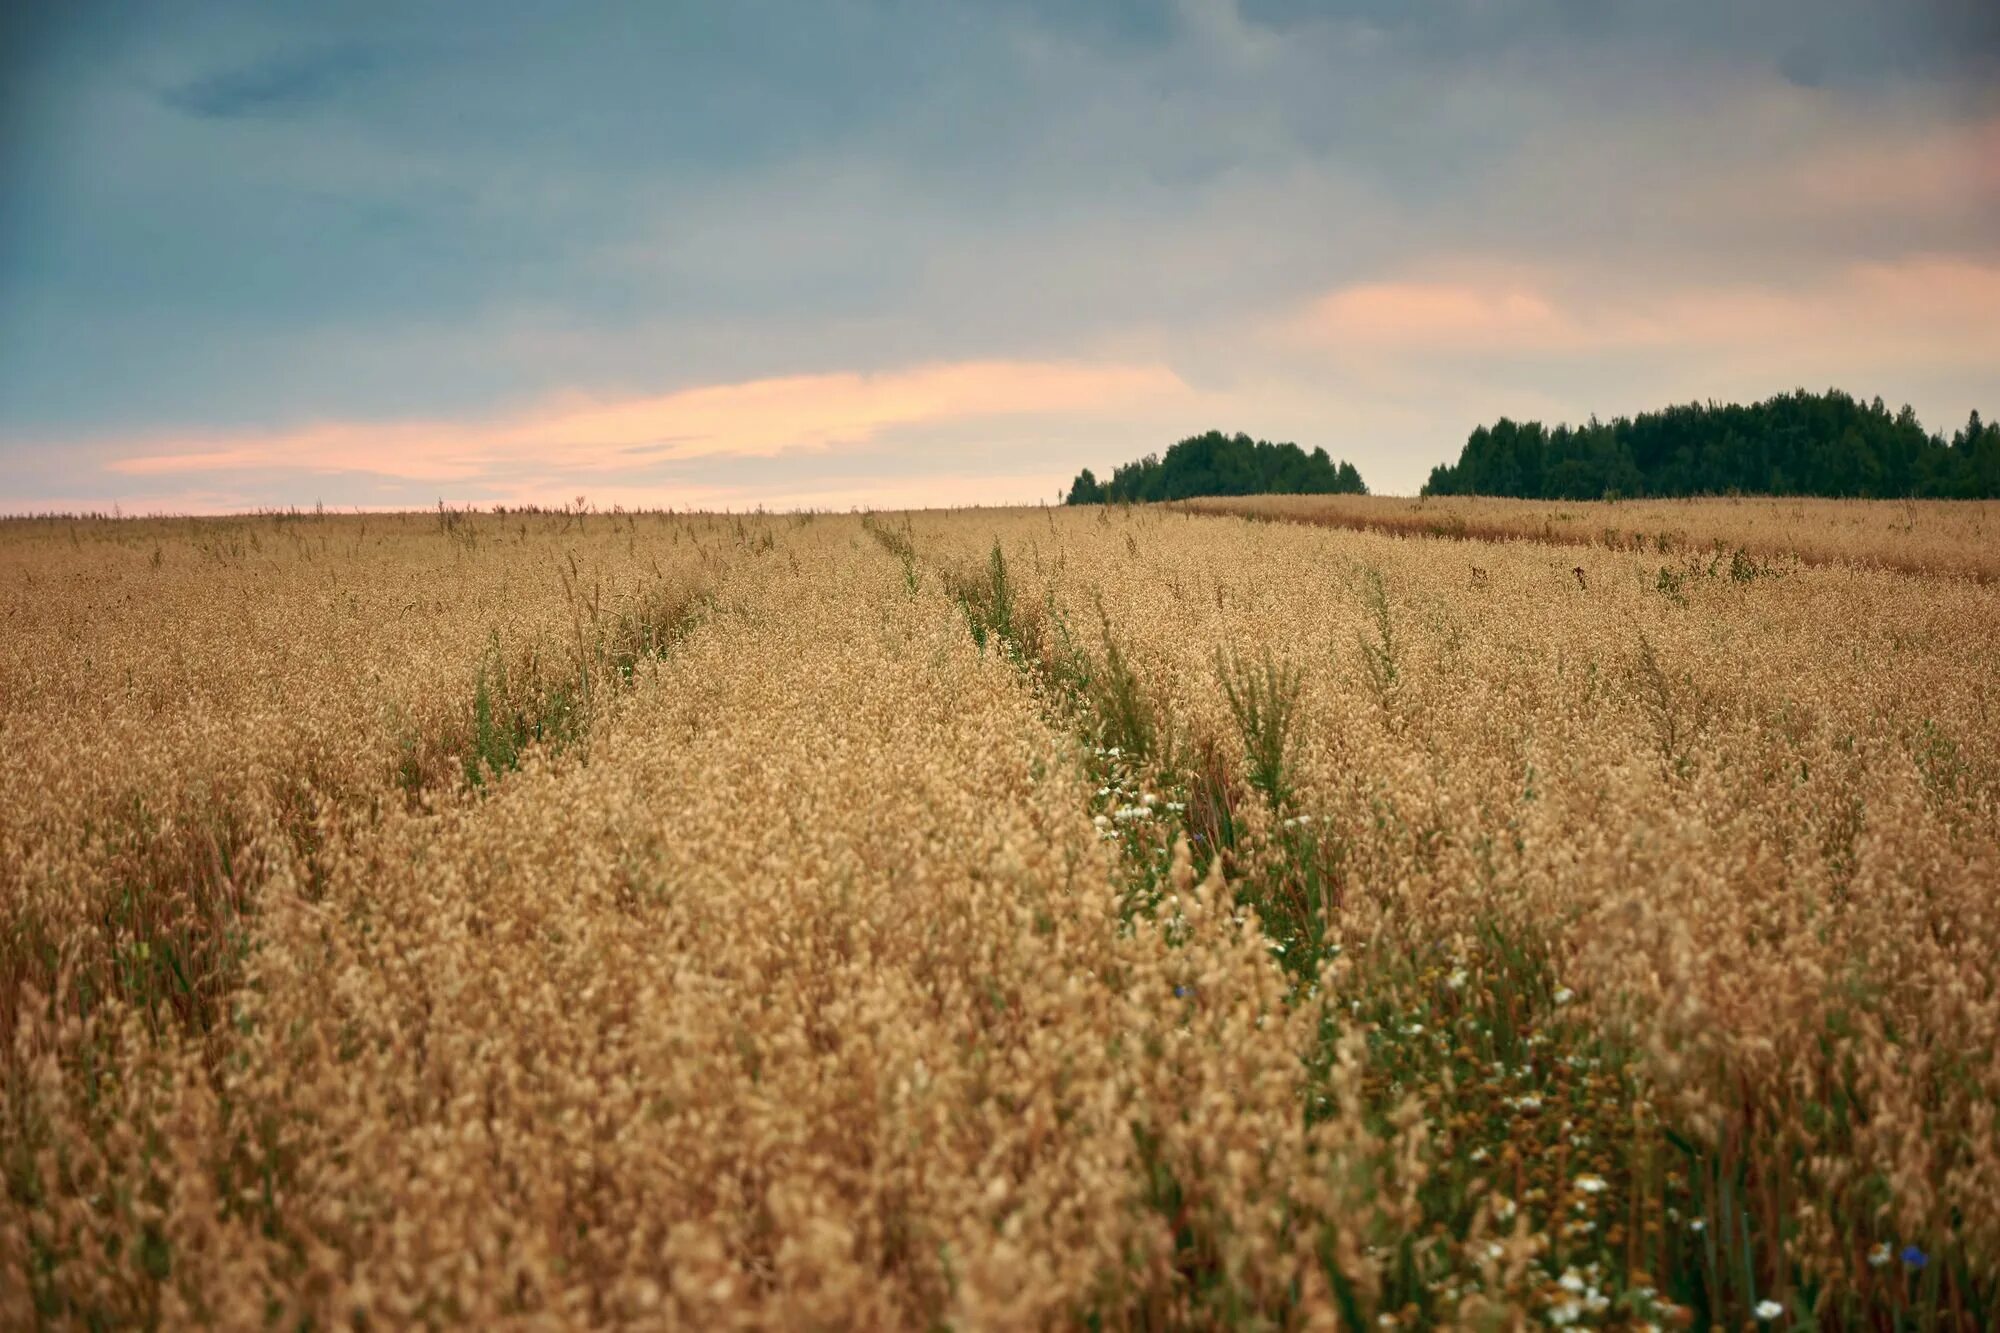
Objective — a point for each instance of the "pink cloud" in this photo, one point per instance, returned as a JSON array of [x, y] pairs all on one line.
[[1439, 314], [577, 434], [1938, 170], [1934, 309]]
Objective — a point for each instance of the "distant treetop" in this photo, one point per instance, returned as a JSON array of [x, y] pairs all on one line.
[[1798, 443], [1218, 464]]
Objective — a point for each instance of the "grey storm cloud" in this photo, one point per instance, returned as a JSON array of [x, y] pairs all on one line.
[[229, 215], [288, 83], [1833, 39]]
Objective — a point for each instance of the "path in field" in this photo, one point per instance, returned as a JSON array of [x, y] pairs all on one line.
[[1955, 538], [806, 1001], [805, 991], [1729, 843]]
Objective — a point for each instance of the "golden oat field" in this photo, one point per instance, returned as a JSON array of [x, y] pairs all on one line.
[[1002, 919], [1917, 536]]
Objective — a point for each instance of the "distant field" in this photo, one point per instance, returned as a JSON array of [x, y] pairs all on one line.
[[1917, 536], [1080, 917]]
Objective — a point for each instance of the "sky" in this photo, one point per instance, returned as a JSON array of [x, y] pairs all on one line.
[[929, 252]]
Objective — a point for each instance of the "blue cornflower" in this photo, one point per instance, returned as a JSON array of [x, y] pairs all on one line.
[[1915, 1257], [1182, 992]]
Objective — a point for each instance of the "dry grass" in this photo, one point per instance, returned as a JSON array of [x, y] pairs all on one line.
[[1960, 537], [990, 920], [187, 704], [1746, 820]]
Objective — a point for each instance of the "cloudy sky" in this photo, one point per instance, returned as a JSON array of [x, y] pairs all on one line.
[[947, 251]]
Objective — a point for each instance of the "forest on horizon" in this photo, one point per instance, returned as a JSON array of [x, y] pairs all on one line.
[[1216, 464], [1799, 443]]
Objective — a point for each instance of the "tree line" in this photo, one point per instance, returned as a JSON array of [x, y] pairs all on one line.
[[1798, 443], [1216, 464]]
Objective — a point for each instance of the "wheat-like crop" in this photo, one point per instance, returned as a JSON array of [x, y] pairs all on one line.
[[1736, 825], [184, 702], [990, 920], [1916, 536]]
